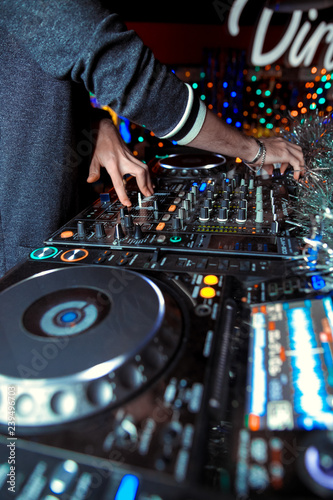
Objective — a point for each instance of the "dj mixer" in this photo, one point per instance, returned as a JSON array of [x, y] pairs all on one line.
[[174, 349]]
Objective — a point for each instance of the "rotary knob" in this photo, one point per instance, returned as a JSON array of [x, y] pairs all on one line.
[[99, 230], [222, 215], [204, 214], [241, 216], [118, 232], [138, 233], [128, 221], [81, 230]]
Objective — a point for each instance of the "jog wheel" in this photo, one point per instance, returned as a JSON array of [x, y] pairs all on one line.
[[78, 340]]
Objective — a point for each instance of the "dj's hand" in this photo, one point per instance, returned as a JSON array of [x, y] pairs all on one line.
[[112, 153], [281, 151]]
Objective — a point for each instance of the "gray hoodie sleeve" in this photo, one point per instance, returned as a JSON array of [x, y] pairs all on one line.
[[82, 41]]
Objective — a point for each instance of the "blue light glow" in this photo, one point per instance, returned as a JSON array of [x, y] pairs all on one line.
[[124, 131], [317, 282], [127, 488]]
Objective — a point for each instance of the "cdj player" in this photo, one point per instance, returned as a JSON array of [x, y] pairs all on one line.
[[170, 350]]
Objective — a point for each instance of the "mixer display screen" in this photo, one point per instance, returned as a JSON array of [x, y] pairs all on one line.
[[291, 366]]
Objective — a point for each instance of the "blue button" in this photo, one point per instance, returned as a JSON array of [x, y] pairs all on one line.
[[127, 488], [69, 317]]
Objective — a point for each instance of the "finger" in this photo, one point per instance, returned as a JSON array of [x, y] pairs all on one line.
[[142, 180], [283, 167], [141, 172], [94, 171], [118, 184]]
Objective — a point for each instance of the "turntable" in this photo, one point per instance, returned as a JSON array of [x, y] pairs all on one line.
[[78, 340]]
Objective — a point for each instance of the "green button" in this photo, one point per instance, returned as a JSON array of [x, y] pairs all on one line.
[[175, 239], [43, 253]]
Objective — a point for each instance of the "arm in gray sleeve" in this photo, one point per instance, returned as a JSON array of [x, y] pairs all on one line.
[[82, 41]]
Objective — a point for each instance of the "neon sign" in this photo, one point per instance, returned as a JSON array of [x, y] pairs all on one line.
[[297, 39]]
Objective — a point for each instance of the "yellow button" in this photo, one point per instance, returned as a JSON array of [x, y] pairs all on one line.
[[211, 279], [207, 292], [66, 234], [160, 226], [172, 208]]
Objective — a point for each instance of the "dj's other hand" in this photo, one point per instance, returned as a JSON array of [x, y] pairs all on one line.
[[112, 153], [284, 152]]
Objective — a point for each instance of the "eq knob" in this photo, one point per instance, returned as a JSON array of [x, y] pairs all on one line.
[[156, 205], [204, 214], [99, 230], [225, 204], [194, 191], [138, 233], [241, 216], [123, 211], [81, 230], [118, 232], [222, 215], [176, 223], [181, 213], [128, 221], [208, 203]]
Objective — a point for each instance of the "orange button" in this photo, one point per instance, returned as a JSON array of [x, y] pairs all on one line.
[[74, 255], [160, 226], [66, 234], [254, 422], [211, 279], [172, 208], [207, 292]]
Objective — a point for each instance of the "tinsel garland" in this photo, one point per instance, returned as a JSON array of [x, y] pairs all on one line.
[[314, 213]]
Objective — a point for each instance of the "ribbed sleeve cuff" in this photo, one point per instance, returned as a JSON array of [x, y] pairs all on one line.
[[191, 122]]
